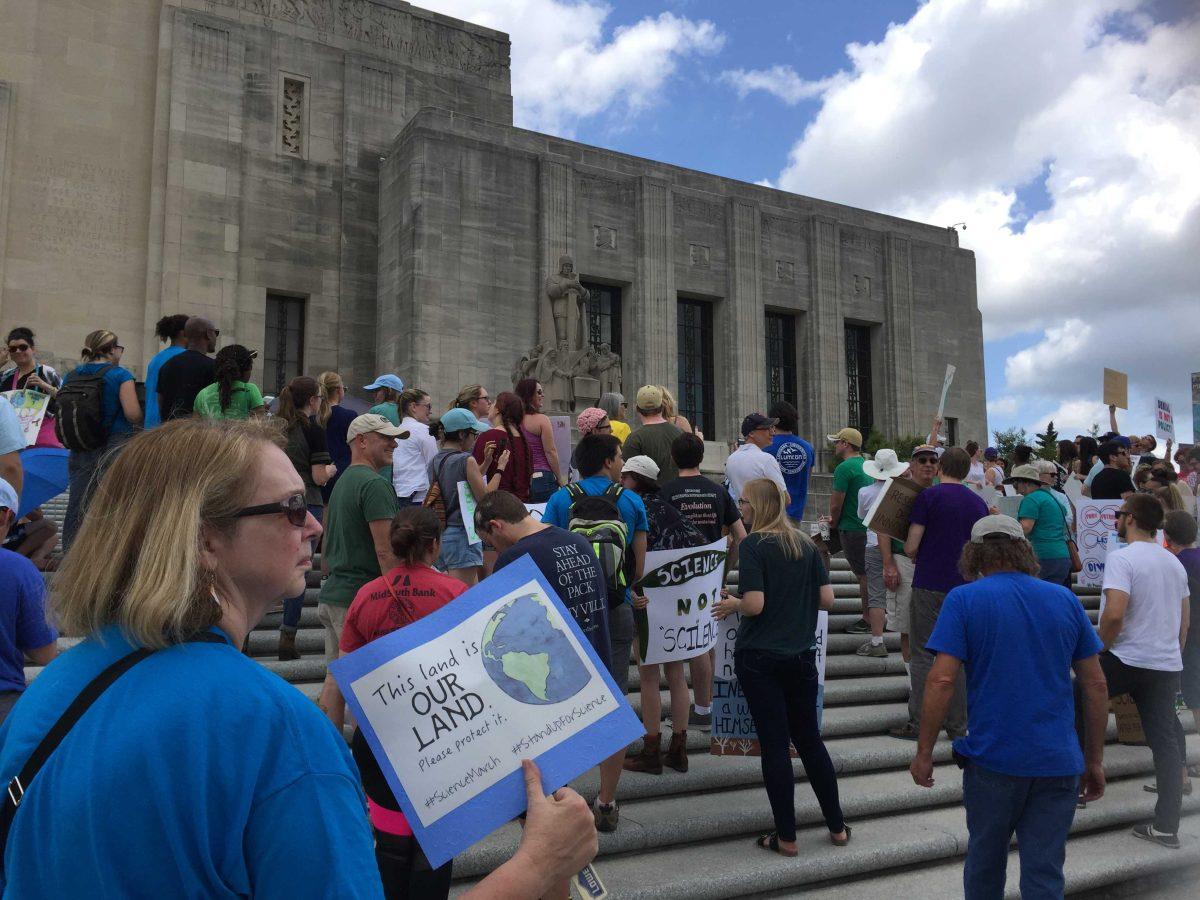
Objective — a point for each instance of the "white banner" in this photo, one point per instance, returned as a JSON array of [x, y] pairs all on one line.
[[733, 730], [31, 410], [1095, 520], [466, 503], [682, 586], [1164, 420]]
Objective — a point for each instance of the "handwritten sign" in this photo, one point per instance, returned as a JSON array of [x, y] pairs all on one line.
[[682, 587], [452, 703], [31, 409], [1164, 420], [1116, 389], [1095, 528], [467, 503], [950, 370], [733, 730], [889, 513]]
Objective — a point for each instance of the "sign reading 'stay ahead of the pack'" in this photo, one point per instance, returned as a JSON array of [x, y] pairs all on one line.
[[452, 703], [682, 586]]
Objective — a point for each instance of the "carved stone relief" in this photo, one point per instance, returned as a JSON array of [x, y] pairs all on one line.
[[695, 209], [700, 255], [862, 286], [291, 126], [785, 271], [604, 237]]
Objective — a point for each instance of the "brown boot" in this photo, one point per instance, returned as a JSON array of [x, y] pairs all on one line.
[[287, 646], [649, 760], [676, 756]]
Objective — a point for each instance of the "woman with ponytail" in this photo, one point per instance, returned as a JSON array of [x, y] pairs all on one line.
[[233, 395], [335, 419], [298, 403], [409, 592], [506, 435]]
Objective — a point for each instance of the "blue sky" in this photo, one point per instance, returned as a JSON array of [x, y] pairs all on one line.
[[1066, 133]]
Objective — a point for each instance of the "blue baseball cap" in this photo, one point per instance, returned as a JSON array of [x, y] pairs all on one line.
[[460, 420], [385, 381]]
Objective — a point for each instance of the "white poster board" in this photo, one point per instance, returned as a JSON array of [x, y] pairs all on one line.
[[950, 370], [560, 427], [1095, 524], [682, 586], [466, 502], [31, 409], [1164, 420]]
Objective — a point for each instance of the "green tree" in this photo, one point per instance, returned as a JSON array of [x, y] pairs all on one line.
[[1007, 439], [1047, 442], [1094, 431]]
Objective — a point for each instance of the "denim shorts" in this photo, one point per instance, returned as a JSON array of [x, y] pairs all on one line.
[[456, 552]]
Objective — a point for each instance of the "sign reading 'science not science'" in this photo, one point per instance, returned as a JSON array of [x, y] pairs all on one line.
[[682, 586], [452, 703]]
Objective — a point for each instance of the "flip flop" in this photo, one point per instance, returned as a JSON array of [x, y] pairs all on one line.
[[840, 842], [771, 842]]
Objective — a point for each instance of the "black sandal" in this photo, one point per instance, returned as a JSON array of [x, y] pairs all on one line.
[[771, 842], [840, 842]]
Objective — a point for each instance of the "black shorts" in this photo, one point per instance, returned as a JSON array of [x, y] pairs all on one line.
[[1190, 677]]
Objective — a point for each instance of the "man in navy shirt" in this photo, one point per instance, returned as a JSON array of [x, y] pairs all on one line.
[[1019, 639], [567, 561], [794, 455], [23, 628]]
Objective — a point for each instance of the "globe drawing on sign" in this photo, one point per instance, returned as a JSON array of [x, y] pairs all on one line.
[[529, 658]]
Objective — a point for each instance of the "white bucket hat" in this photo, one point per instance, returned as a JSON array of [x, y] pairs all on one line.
[[885, 465]]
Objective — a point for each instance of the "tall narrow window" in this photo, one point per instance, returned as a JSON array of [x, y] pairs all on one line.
[[283, 354], [781, 358], [696, 391], [858, 377], [292, 126], [604, 316]]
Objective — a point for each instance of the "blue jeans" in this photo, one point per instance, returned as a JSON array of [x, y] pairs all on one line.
[[1039, 810], [85, 469], [782, 695], [293, 606], [1056, 571]]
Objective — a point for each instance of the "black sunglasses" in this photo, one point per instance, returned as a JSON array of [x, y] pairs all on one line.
[[18, 348], [293, 507]]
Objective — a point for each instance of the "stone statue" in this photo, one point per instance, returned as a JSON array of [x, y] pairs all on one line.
[[527, 365], [568, 304], [607, 370]]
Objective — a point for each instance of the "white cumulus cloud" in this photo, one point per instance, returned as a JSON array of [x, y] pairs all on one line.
[[955, 112], [781, 81], [567, 66]]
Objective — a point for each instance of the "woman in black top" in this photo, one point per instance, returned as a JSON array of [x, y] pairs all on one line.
[[783, 584], [306, 448]]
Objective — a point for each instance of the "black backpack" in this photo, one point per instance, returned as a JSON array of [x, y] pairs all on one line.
[[669, 529], [80, 424], [599, 519]]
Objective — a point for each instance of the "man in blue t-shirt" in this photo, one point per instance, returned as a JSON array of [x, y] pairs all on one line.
[[567, 561], [23, 627], [794, 455], [1019, 638]]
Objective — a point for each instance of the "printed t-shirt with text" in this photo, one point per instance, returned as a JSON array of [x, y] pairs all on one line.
[[703, 502]]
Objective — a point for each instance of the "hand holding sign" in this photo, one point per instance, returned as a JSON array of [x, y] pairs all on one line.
[[560, 832]]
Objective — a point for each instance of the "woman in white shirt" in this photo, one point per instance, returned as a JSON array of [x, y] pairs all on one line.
[[411, 459]]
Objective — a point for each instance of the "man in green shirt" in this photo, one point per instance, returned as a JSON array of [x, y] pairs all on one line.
[[656, 435], [848, 479], [358, 520]]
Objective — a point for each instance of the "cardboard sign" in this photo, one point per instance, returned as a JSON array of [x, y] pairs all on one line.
[[682, 587], [945, 390], [31, 409], [889, 513], [733, 730], [466, 503], [1164, 421], [1095, 527], [452, 703], [1116, 389]]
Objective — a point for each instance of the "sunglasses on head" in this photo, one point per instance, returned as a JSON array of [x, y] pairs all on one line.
[[293, 507]]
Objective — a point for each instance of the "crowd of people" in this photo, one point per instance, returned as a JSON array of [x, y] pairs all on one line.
[[197, 508]]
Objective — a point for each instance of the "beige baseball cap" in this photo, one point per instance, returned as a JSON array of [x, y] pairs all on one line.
[[649, 397], [373, 422], [851, 436]]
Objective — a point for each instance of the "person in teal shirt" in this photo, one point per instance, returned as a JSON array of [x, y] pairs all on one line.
[[848, 479], [233, 395], [170, 330], [1044, 523], [387, 388]]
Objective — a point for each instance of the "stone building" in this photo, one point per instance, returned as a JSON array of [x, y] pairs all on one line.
[[339, 183]]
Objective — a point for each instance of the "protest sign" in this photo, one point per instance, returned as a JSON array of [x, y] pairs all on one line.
[[31, 410], [889, 513], [537, 510], [1116, 389], [560, 427], [945, 390], [682, 587], [466, 503], [1095, 521], [988, 494], [1164, 421], [1196, 407], [733, 729], [452, 703], [1009, 506]]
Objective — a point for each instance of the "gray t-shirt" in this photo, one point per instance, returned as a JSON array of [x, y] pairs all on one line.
[[449, 467]]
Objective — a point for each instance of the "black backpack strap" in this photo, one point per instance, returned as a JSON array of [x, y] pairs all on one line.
[[11, 801]]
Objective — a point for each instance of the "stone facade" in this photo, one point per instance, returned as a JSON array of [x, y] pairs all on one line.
[[197, 155]]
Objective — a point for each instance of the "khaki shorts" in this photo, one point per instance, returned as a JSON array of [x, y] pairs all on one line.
[[899, 601], [332, 618]]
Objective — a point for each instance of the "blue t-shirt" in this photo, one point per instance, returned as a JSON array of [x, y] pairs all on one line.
[[198, 773], [110, 403], [795, 457], [153, 416], [633, 510], [1017, 637], [22, 617], [567, 561]]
